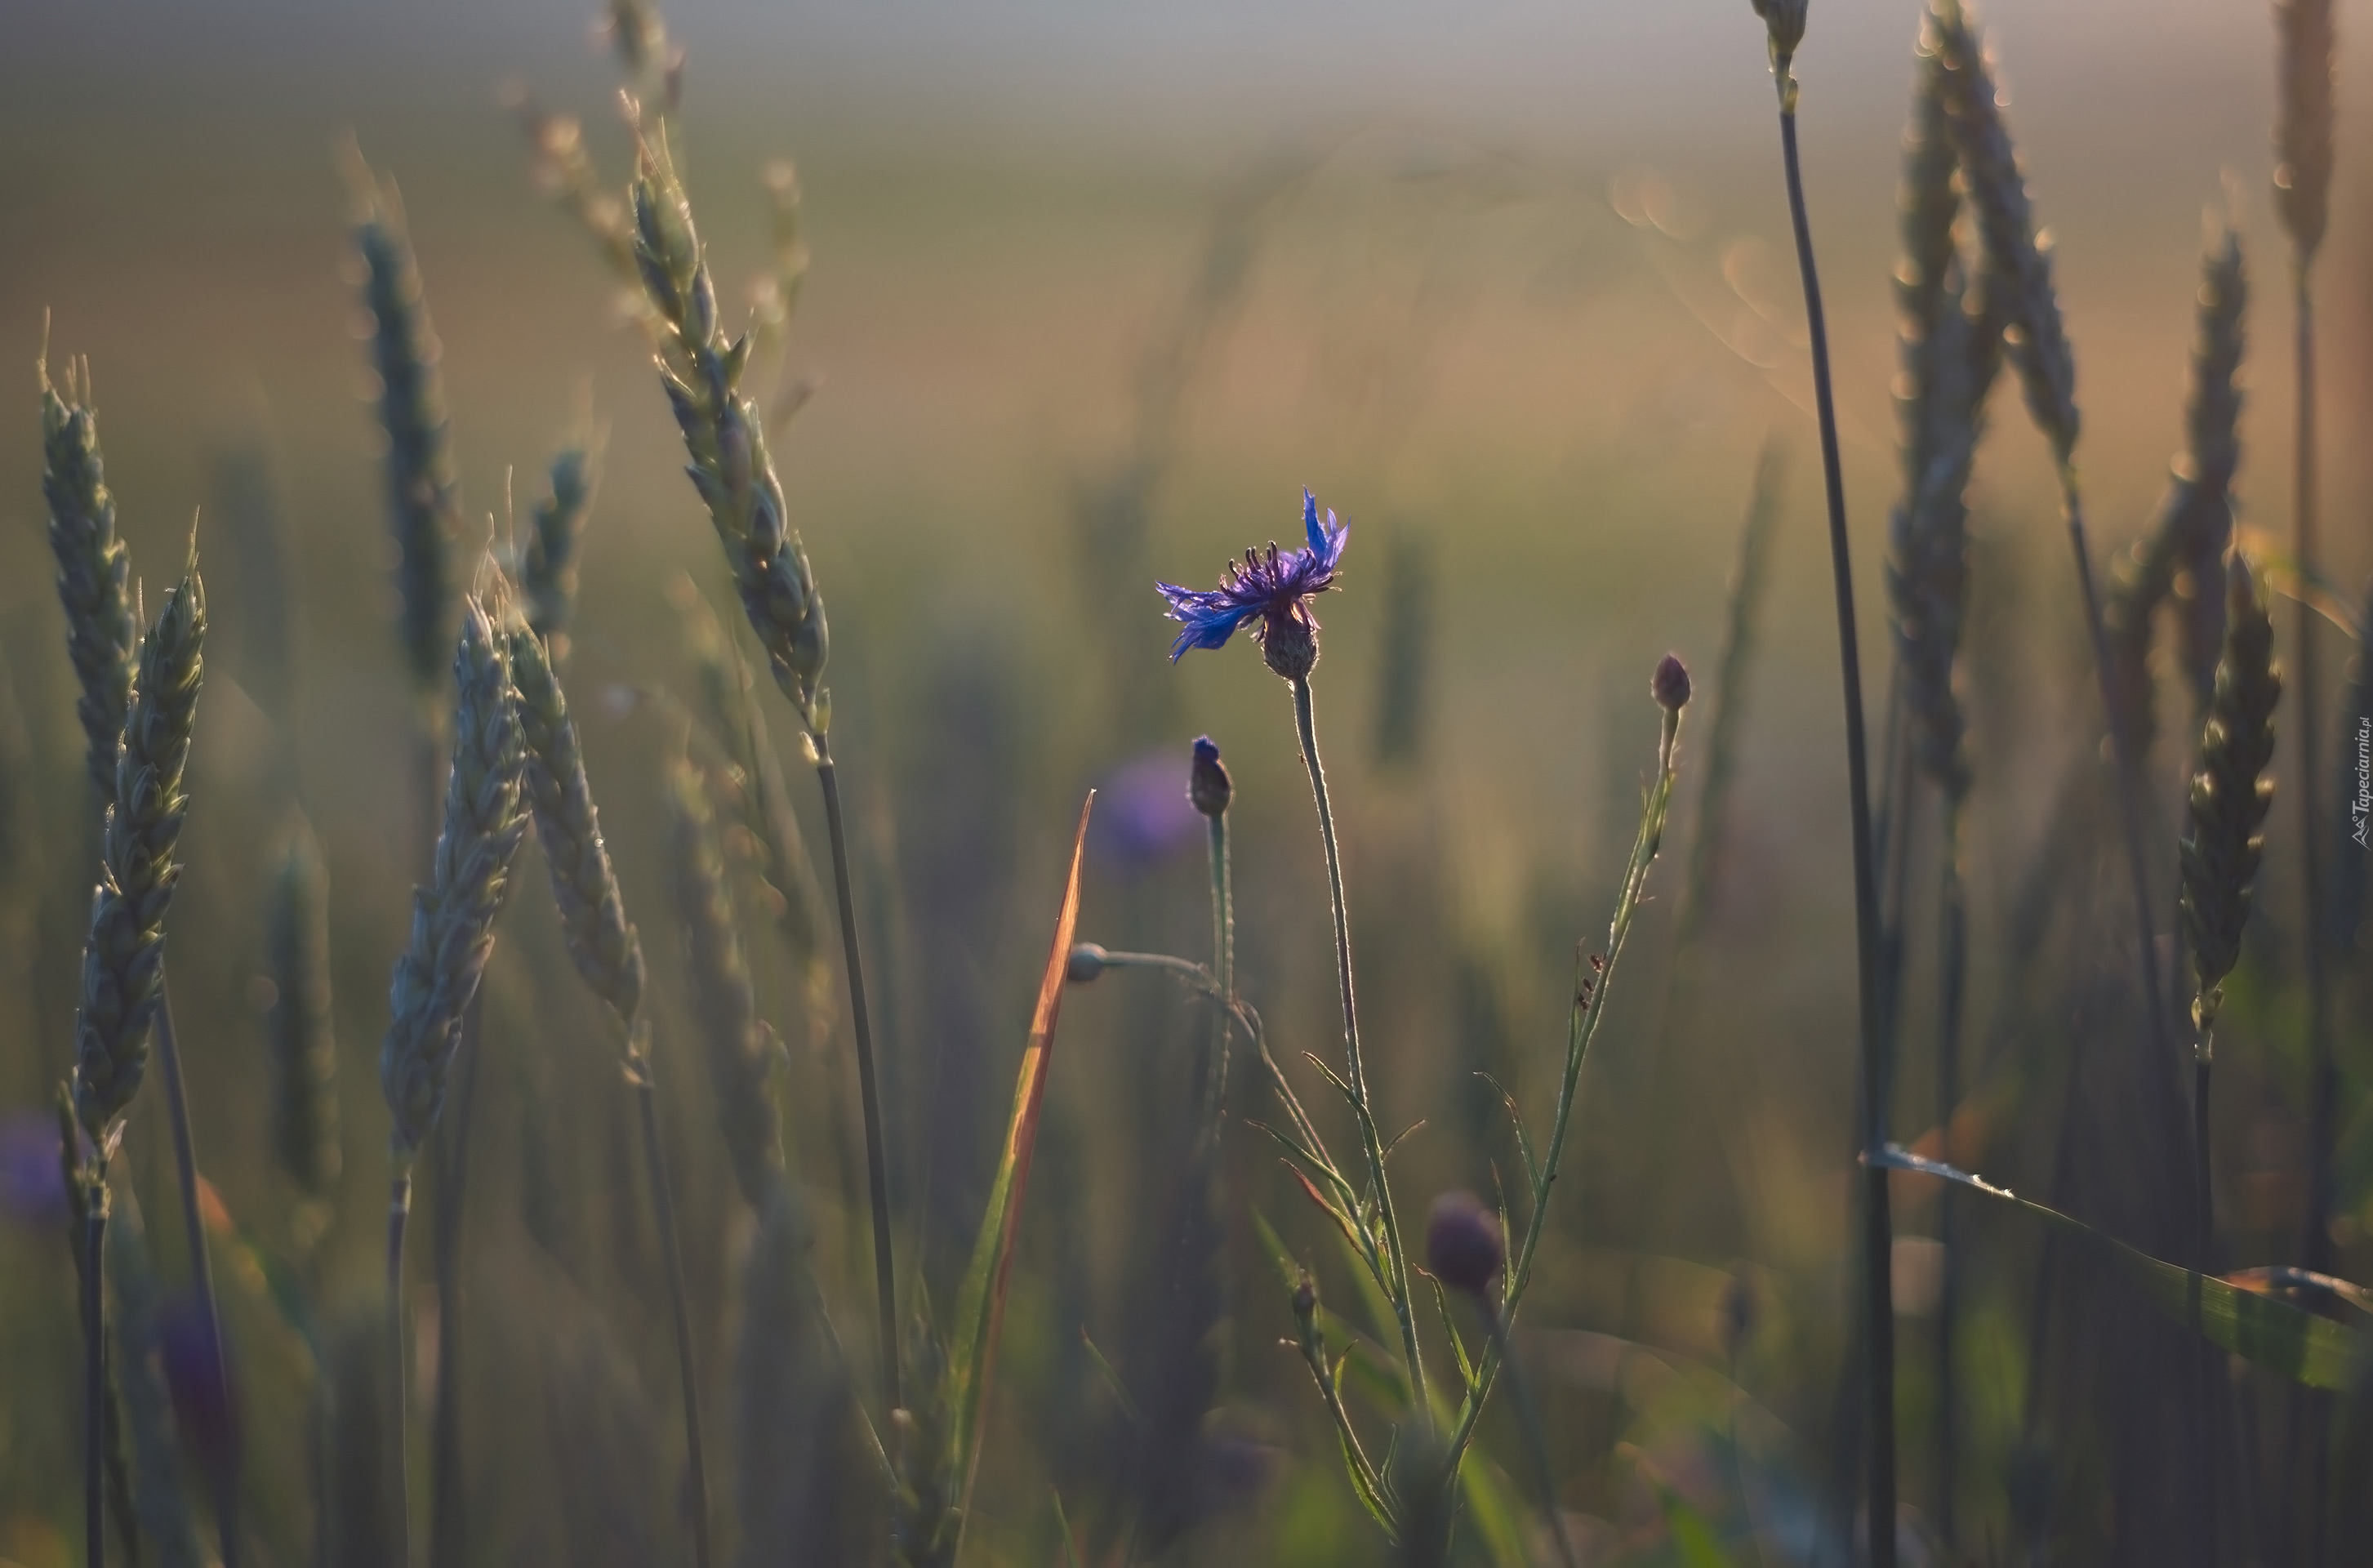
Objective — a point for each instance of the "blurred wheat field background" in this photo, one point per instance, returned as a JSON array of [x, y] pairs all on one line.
[[1093, 298]]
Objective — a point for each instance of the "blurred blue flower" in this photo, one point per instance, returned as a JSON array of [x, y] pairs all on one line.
[[32, 1182], [1142, 816], [1272, 589], [207, 1410]]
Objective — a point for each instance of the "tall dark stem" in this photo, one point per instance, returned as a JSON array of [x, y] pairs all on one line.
[[1224, 972], [448, 1529], [2211, 1359], [1952, 983], [94, 1379], [225, 1464], [877, 1167], [1878, 1307], [1305, 726], [399, 1210], [2316, 1248], [671, 1258]]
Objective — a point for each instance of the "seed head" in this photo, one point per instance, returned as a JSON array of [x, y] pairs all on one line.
[[1463, 1244], [2303, 129], [2230, 795], [124, 962], [454, 918], [93, 568], [593, 923]]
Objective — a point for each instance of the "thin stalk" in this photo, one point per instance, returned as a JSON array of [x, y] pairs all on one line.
[[663, 1205], [877, 1169], [1952, 984], [399, 1210], [94, 1385], [1878, 1225], [1528, 1416], [447, 1502], [1592, 980], [2209, 1354], [1223, 966], [2324, 1091], [186, 1166], [1403, 1307], [2130, 785], [2317, 1250]]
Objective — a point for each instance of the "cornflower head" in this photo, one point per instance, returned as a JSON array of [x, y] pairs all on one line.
[[2017, 254], [1784, 22], [547, 570], [1271, 591], [2230, 795], [93, 567], [741, 1052], [453, 918], [423, 496], [601, 942], [725, 437], [2303, 149], [123, 963], [303, 1046]]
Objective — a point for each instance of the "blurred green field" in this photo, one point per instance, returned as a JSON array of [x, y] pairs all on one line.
[[1534, 371]]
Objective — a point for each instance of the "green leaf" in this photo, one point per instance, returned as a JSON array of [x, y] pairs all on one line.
[[2263, 1328], [980, 1304]]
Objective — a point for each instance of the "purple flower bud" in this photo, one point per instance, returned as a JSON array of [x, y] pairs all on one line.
[[1463, 1245], [1207, 787], [1670, 684], [1086, 962]]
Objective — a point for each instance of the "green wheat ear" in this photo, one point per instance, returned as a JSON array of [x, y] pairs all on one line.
[[2230, 796], [124, 964], [94, 568]]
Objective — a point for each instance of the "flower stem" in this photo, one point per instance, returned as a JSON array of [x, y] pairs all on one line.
[[225, 1464], [672, 1259], [399, 1210], [448, 1530], [94, 1385], [1223, 970], [1403, 1308], [1878, 1307], [1953, 913], [2211, 1358], [1528, 1416], [877, 1169]]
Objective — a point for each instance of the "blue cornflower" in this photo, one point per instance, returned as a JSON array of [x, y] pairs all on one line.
[[1273, 588]]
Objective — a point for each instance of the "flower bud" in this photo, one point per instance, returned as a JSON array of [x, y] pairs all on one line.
[[1463, 1245], [1784, 19], [1086, 962], [1670, 684], [1289, 646], [1207, 783]]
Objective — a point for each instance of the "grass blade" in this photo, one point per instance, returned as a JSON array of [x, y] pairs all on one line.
[[980, 1305], [2256, 1326]]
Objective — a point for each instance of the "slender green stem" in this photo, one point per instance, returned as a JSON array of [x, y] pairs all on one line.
[[1224, 972], [1877, 1226], [877, 1168], [1593, 979], [399, 1210], [224, 1465], [1528, 1416], [94, 1385], [672, 1259], [1398, 1261]]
